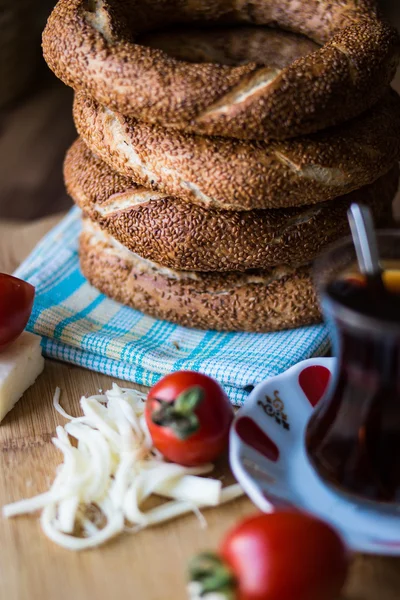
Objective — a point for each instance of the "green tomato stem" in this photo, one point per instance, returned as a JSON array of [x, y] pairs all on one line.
[[180, 415], [212, 576]]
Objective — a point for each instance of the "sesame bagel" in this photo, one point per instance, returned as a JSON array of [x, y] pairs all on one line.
[[94, 45], [231, 174], [280, 298], [184, 236]]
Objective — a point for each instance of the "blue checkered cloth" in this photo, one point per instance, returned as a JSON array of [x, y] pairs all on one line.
[[81, 326]]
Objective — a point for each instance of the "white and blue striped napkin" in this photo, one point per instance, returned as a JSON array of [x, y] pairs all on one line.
[[80, 325]]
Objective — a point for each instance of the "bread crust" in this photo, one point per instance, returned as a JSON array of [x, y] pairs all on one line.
[[182, 236], [231, 174], [261, 301], [91, 45]]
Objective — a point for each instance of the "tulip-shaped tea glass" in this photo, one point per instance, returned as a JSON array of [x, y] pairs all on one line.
[[353, 437]]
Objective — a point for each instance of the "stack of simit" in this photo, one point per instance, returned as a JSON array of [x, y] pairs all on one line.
[[216, 159]]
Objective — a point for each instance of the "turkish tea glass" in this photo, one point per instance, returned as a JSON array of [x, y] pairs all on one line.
[[353, 437]]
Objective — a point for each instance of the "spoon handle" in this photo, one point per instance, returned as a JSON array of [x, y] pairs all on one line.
[[364, 238]]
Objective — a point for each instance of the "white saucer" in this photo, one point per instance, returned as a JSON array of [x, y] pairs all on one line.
[[268, 457]]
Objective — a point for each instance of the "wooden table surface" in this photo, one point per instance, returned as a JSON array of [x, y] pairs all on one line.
[[146, 566]]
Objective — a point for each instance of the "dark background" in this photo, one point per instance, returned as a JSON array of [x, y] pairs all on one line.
[[37, 128]]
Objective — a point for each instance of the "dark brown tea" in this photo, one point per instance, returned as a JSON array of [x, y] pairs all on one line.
[[353, 438], [353, 292]]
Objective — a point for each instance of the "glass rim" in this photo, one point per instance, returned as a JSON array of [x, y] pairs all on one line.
[[345, 241], [348, 315]]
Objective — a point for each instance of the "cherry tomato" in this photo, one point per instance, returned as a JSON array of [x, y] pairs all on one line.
[[278, 556], [16, 301], [189, 416]]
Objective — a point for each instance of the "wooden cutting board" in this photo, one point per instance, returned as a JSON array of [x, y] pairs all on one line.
[[147, 566]]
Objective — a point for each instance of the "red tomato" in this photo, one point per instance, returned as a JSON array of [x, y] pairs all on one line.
[[189, 416], [16, 301], [285, 556]]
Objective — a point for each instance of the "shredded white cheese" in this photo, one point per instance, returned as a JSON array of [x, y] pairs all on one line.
[[108, 473]]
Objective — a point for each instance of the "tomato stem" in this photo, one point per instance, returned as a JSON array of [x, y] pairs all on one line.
[[212, 576], [180, 415]]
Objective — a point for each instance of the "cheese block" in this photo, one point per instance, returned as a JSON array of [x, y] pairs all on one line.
[[20, 365]]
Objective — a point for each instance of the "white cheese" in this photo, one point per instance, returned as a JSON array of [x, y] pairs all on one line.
[[109, 471], [20, 365]]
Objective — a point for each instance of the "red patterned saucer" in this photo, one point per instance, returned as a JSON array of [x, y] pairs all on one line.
[[268, 457]]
